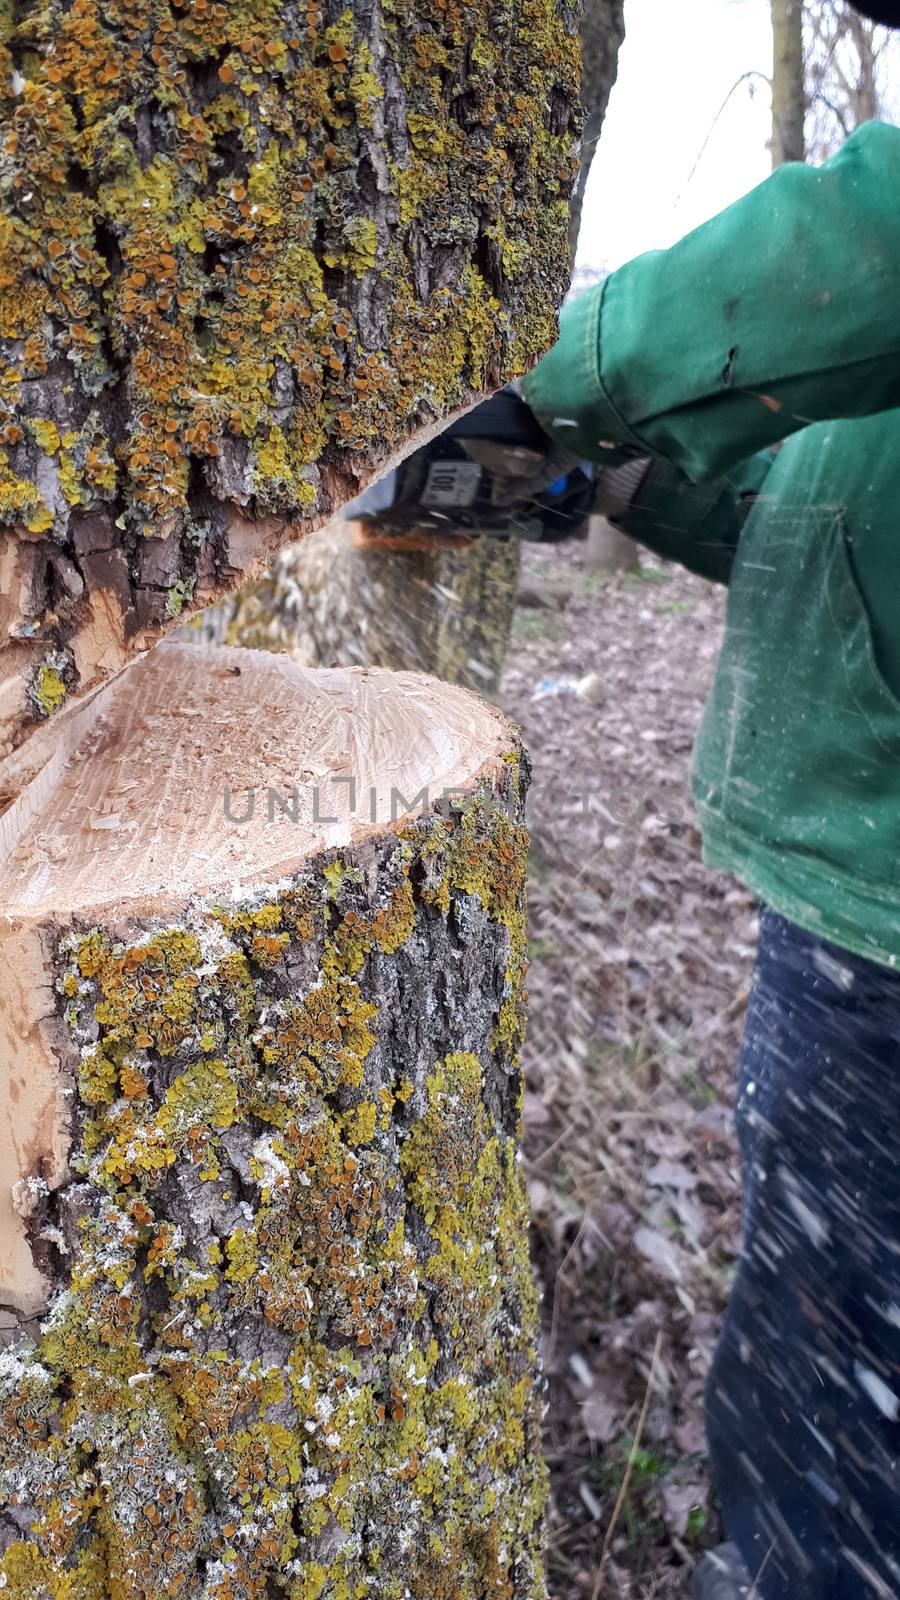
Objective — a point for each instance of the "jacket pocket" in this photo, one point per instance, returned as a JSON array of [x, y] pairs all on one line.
[[853, 625]]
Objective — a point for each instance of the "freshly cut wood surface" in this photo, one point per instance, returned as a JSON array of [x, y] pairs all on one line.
[[131, 806], [60, 645]]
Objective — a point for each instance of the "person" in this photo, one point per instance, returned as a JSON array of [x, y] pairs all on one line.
[[740, 393]]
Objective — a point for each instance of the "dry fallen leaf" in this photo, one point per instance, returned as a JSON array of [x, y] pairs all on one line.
[[672, 1175], [660, 1251], [678, 1498]]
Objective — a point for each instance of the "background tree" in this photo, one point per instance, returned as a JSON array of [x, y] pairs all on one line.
[[788, 82], [602, 33], [832, 70]]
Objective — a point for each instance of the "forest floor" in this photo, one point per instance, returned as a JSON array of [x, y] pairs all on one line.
[[640, 965]]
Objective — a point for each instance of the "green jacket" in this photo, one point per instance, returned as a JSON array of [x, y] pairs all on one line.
[[779, 320]]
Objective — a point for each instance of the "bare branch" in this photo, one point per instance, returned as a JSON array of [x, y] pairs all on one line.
[[848, 80]]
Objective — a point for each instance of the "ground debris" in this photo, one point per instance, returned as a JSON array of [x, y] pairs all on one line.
[[640, 967]]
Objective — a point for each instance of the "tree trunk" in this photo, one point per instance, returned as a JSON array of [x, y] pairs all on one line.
[[481, 584], [608, 549], [443, 607], [602, 32], [250, 257], [261, 1100], [788, 83]]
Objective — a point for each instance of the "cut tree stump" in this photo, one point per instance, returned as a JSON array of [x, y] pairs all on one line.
[[270, 1318], [250, 256], [420, 604]]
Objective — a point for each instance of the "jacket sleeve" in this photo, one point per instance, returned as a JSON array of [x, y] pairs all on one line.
[[782, 311]]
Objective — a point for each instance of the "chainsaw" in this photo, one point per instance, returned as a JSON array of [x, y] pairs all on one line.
[[492, 473]]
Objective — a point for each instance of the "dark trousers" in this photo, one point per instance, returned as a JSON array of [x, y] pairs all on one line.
[[803, 1400]]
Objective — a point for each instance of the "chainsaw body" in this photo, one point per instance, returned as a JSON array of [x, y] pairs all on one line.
[[493, 473]]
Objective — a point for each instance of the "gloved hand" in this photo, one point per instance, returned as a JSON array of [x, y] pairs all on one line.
[[537, 487], [504, 437]]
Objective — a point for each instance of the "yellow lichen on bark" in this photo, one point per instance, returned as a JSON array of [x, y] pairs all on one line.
[[192, 197]]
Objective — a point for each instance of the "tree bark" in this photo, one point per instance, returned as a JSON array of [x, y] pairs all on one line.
[[443, 607], [250, 257], [788, 83], [261, 1094]]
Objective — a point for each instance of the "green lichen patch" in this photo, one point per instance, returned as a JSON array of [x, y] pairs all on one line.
[[293, 1347]]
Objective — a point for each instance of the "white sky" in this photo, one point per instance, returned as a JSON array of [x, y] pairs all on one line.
[[676, 67]]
